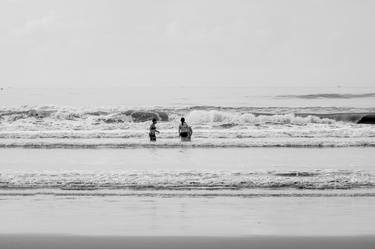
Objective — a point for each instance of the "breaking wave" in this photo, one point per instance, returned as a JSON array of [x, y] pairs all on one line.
[[67, 127], [186, 180], [196, 114]]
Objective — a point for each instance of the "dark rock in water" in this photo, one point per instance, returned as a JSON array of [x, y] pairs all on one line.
[[368, 119]]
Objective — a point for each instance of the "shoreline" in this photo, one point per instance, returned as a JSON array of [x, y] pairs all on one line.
[[41, 241], [145, 215]]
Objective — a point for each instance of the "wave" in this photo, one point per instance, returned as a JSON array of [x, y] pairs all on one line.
[[230, 119], [295, 142], [66, 114], [66, 127], [186, 180], [197, 115], [330, 96], [359, 118], [207, 117]]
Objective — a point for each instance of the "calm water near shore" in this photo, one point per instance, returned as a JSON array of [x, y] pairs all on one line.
[[198, 210]]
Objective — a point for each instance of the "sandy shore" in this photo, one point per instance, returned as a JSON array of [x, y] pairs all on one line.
[[256, 242]]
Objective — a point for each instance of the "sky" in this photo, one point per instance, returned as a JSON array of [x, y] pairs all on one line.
[[112, 43]]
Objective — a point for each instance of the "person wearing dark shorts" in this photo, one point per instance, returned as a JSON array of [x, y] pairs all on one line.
[[184, 131], [153, 130]]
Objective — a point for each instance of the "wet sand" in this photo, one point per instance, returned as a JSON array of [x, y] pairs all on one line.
[[187, 216], [260, 242]]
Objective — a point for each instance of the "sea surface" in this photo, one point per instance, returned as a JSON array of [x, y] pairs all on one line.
[[220, 117], [84, 155]]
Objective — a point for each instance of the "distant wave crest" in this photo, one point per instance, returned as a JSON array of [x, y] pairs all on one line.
[[330, 96]]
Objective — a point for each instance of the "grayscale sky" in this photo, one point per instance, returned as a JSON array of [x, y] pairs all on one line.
[[100, 43]]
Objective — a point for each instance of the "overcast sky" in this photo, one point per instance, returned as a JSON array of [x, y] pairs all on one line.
[[99, 43]]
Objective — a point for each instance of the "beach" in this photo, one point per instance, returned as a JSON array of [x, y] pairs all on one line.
[[252, 176], [179, 124], [188, 192], [262, 242], [215, 216]]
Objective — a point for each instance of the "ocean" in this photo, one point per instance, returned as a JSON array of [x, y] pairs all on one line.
[[220, 117], [274, 161]]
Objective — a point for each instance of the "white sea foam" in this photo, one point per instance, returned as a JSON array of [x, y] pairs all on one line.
[[196, 143], [213, 116], [49, 126], [186, 180]]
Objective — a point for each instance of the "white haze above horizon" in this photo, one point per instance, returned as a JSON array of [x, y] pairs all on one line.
[[94, 43]]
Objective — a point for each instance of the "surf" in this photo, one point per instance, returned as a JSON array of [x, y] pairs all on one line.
[[175, 180]]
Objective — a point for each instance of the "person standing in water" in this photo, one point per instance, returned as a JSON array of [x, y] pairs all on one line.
[[184, 131], [153, 130]]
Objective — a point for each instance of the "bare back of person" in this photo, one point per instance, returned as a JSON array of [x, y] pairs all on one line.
[[185, 131]]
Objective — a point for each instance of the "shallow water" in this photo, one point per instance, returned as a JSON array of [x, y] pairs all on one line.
[[195, 172]]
